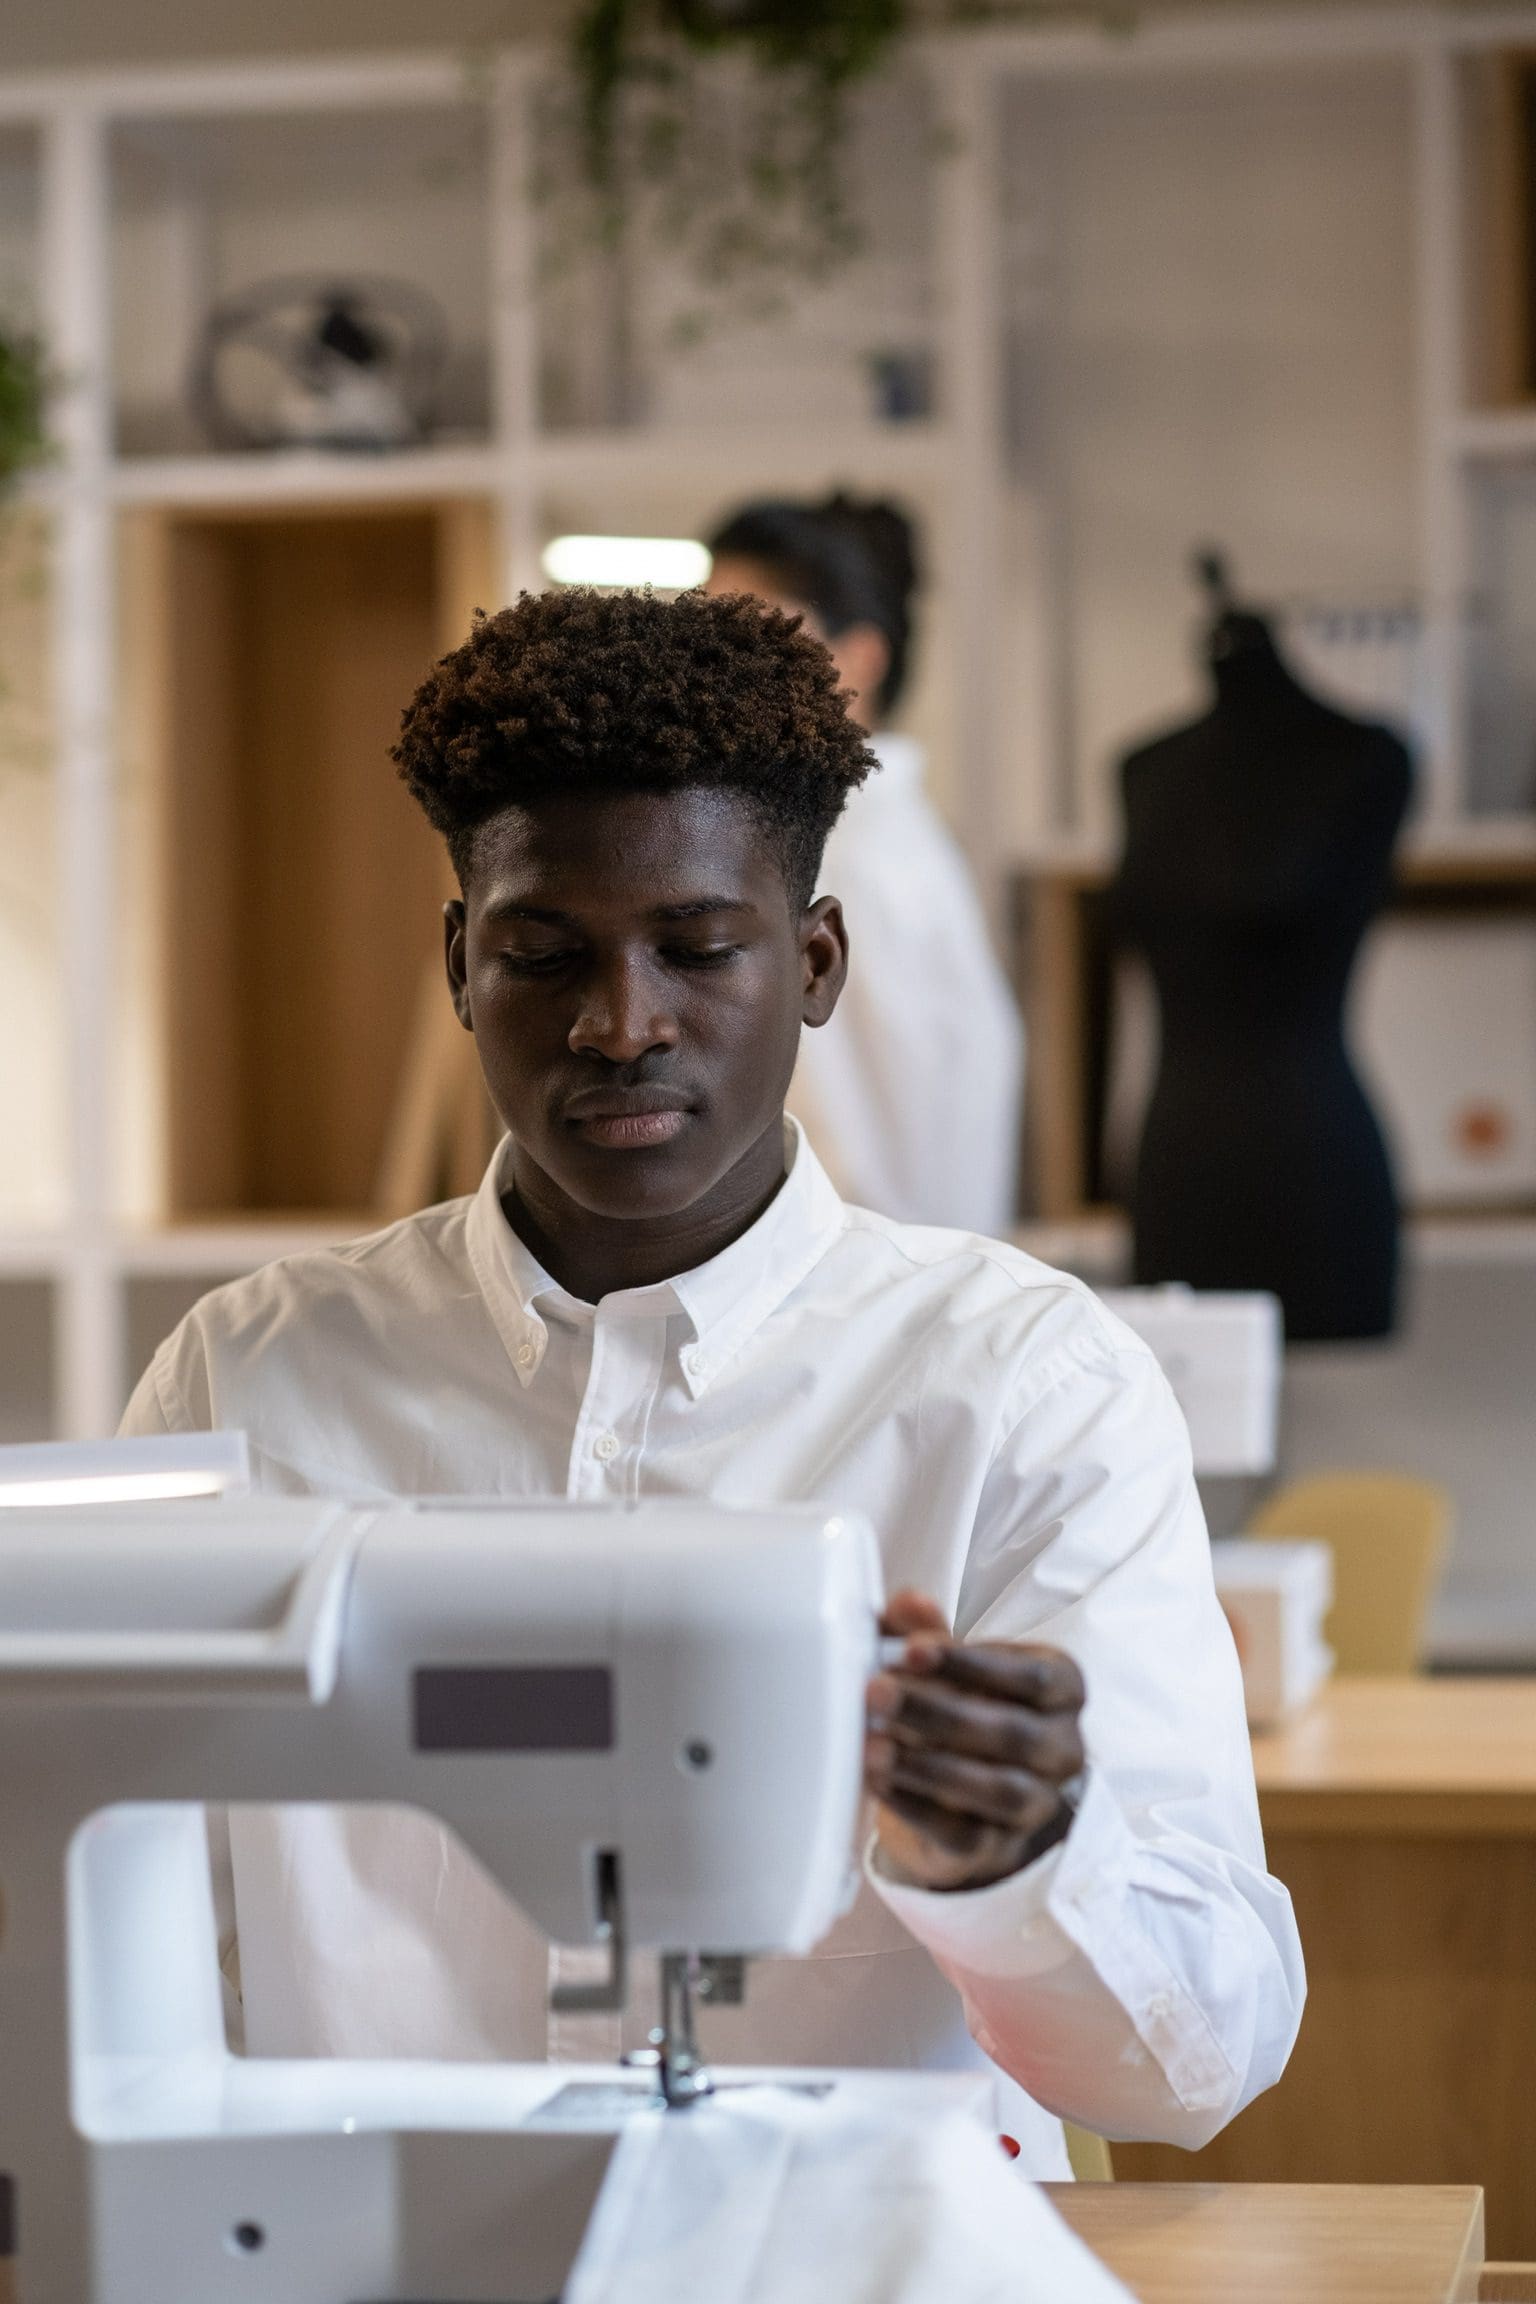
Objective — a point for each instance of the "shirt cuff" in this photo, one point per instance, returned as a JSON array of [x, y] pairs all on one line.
[[1072, 1906], [1005, 1928]]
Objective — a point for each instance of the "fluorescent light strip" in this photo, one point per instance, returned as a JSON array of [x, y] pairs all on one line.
[[669, 563], [112, 1488]]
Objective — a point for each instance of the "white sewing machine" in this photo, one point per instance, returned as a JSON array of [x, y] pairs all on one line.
[[647, 1724]]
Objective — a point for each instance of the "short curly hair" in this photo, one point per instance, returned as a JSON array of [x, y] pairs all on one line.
[[585, 691]]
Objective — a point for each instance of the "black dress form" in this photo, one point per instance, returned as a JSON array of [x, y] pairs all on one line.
[[1258, 846]]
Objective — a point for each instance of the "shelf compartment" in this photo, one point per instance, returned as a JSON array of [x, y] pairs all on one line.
[[628, 332], [206, 207], [300, 889]]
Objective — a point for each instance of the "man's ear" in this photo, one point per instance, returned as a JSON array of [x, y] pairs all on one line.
[[823, 958], [456, 960]]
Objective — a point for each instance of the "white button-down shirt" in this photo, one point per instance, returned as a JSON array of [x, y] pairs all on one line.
[[1022, 1459], [911, 1090]]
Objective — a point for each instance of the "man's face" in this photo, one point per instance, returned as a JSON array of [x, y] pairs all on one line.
[[636, 984]]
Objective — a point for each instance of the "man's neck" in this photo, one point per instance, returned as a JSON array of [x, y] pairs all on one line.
[[595, 1256]]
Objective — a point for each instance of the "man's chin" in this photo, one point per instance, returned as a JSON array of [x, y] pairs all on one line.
[[632, 1182]]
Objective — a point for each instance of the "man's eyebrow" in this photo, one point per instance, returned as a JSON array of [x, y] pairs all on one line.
[[700, 907], [543, 916], [510, 909]]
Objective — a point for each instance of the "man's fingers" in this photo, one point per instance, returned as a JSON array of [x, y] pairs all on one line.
[[1009, 1797], [909, 1611], [952, 1851], [1044, 1678], [968, 1748], [927, 1713]]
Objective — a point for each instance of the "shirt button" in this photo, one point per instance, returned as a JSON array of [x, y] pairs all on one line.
[[1160, 2007], [526, 1355], [693, 1360], [606, 1448]]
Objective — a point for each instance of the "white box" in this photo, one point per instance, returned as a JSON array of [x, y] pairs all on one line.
[[1221, 1352], [1276, 1596]]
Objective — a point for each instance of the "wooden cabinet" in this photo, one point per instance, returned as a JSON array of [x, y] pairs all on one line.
[[300, 887], [1401, 1816]]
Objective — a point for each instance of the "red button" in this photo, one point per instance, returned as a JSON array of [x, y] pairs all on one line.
[[1010, 2145]]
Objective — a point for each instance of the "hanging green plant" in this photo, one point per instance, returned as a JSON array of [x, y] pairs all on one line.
[[742, 170], [720, 128], [23, 406]]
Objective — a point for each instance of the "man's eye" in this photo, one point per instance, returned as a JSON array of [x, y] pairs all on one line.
[[535, 963], [702, 955]]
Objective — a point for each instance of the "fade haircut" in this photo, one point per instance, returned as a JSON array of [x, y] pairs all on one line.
[[580, 691]]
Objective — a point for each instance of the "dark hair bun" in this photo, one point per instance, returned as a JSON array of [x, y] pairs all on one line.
[[889, 538], [849, 561]]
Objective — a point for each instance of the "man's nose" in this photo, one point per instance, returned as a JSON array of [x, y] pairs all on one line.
[[623, 1015]]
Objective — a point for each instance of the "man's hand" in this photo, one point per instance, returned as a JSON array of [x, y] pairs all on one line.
[[968, 1750]]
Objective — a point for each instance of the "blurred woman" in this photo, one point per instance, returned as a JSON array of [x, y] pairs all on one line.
[[911, 1093]]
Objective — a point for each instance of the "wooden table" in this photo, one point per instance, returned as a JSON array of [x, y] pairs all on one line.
[[1268, 2243], [1401, 1814], [1282, 2243]]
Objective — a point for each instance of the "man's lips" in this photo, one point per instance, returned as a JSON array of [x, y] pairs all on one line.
[[627, 1119]]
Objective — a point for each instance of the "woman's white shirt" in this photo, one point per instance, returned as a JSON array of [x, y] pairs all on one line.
[[912, 1091], [1022, 1459]]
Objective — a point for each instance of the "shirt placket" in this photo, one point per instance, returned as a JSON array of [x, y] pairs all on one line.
[[607, 1444], [607, 1451]]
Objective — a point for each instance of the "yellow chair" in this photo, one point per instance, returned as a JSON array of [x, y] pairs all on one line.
[[1089, 2155], [1388, 1535]]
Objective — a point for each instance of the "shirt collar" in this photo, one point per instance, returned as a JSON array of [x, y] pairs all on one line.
[[729, 1298], [510, 1276], [724, 1301]]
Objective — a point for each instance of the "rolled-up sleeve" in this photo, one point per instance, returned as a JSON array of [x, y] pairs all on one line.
[[1144, 1978]]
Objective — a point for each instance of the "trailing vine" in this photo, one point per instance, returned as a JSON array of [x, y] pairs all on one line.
[[720, 128]]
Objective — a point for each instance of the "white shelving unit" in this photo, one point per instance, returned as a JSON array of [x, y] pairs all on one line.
[[1000, 529]]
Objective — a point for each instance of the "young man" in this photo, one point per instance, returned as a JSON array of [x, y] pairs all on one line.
[[656, 1291]]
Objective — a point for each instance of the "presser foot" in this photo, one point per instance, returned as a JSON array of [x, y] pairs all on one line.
[[682, 2076]]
